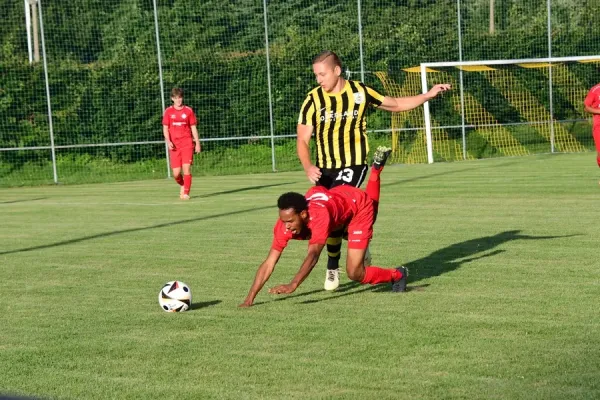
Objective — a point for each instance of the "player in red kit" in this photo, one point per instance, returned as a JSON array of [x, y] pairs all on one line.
[[314, 216], [181, 135], [592, 105]]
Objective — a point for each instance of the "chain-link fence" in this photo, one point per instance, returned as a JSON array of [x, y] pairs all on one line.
[[90, 109]]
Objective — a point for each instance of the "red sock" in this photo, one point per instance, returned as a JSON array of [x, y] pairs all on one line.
[[375, 275], [187, 184], [179, 180], [373, 189]]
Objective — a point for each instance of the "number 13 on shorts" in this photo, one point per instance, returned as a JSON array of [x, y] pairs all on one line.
[[345, 175]]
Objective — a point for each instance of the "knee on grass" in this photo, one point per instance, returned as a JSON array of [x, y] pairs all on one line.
[[356, 274]]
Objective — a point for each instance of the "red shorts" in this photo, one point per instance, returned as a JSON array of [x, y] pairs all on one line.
[[360, 228], [181, 156]]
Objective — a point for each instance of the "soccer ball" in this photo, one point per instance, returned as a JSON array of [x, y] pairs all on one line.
[[175, 296]]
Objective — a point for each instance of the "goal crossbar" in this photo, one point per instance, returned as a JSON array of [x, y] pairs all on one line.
[[424, 68], [513, 61]]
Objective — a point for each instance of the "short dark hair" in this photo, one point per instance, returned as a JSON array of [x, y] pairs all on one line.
[[177, 92], [292, 200], [324, 55]]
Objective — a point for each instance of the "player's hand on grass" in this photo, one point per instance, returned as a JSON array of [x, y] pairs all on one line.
[[283, 289], [245, 305], [313, 174]]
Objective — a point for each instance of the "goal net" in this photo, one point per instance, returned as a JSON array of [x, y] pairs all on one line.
[[496, 108]]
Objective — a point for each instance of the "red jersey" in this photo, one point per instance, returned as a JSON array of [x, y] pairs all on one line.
[[180, 124], [593, 100], [329, 210]]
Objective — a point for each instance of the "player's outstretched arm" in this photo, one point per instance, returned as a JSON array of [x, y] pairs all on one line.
[[314, 251], [262, 276], [304, 133], [397, 104]]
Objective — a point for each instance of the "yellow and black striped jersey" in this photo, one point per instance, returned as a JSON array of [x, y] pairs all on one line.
[[339, 123]]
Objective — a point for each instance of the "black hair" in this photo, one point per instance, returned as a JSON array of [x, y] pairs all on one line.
[[324, 55], [293, 200]]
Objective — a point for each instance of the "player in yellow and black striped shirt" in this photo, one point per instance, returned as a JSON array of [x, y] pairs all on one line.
[[340, 123], [335, 112]]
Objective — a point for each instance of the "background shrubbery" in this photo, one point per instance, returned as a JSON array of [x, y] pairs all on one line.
[[103, 67]]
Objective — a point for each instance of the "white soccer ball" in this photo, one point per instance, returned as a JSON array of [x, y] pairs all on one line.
[[175, 296]]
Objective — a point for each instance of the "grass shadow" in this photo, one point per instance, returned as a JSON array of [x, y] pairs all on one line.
[[441, 261], [450, 172], [22, 200], [204, 304], [119, 232], [9, 397], [244, 189], [454, 256]]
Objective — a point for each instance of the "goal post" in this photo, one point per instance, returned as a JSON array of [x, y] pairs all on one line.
[[508, 107]]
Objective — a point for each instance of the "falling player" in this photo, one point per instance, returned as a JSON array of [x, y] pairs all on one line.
[[314, 216]]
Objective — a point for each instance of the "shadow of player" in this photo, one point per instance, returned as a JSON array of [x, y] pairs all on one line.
[[441, 261]]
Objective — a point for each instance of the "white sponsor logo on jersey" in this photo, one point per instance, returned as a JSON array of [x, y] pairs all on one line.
[[333, 116], [359, 98]]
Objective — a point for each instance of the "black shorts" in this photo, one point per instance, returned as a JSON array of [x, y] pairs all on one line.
[[332, 177]]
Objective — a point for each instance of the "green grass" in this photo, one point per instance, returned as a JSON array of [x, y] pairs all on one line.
[[99, 165], [503, 300]]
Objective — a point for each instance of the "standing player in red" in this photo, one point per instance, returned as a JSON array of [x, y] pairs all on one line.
[[592, 105], [181, 135], [314, 216]]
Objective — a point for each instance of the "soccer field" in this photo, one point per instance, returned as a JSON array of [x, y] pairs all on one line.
[[502, 303]]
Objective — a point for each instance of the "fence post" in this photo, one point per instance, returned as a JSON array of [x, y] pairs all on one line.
[[269, 87], [28, 27], [50, 125], [160, 78], [360, 44], [550, 86], [462, 87]]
